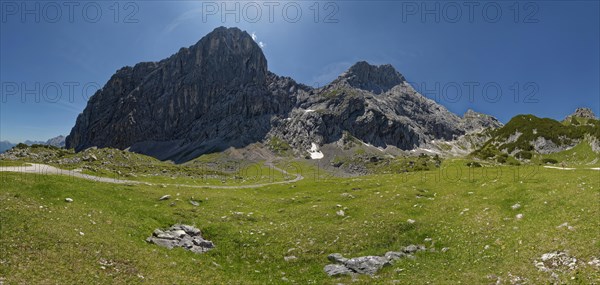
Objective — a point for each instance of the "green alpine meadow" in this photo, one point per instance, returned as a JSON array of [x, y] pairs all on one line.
[[297, 142]]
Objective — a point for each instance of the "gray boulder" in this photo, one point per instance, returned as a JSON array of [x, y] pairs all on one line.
[[393, 256], [184, 236], [413, 248], [337, 258], [337, 269], [366, 264]]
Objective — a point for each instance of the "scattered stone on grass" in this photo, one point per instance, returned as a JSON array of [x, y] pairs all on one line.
[[367, 264], [594, 262], [165, 197], [187, 237], [68, 200], [557, 261], [566, 225], [347, 195]]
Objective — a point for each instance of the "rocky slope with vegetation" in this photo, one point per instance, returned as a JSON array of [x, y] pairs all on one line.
[[219, 93], [526, 136]]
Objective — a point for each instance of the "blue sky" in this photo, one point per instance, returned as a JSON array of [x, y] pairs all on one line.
[[542, 56]]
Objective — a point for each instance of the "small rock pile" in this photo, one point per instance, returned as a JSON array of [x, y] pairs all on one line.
[[556, 261], [367, 264], [187, 237]]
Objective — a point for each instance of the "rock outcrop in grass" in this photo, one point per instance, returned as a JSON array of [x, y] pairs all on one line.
[[367, 264], [187, 237]]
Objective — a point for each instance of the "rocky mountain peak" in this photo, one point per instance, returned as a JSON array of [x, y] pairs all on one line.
[[218, 94], [227, 55], [585, 113], [474, 121], [207, 97], [372, 78], [470, 113]]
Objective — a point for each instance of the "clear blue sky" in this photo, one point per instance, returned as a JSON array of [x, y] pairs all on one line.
[[551, 49]]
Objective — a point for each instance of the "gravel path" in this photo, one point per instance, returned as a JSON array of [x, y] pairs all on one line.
[[567, 168]]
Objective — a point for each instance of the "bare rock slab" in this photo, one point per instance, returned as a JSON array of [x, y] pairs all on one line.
[[367, 264], [184, 236]]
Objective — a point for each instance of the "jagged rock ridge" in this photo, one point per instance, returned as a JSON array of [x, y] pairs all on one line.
[[219, 93], [584, 113]]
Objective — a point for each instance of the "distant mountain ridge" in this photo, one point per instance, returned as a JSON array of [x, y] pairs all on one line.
[[58, 141], [5, 145], [219, 93]]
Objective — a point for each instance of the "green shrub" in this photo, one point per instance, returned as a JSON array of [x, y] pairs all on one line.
[[524, 155], [574, 121], [549, 161], [278, 145], [473, 164], [21, 146]]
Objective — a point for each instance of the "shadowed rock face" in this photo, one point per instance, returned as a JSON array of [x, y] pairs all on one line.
[[218, 93], [211, 95]]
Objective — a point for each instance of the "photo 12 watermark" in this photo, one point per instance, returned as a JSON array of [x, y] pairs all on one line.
[[69, 12], [452, 12], [527, 92], [270, 11], [47, 92]]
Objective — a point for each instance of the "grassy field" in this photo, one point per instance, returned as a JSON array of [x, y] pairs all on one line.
[[8, 163], [579, 156], [249, 174], [100, 237], [210, 169]]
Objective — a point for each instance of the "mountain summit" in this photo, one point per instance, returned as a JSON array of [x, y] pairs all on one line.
[[584, 113], [375, 79], [219, 93], [212, 95]]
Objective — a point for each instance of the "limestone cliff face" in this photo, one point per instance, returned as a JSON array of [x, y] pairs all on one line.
[[211, 95], [219, 93], [374, 104]]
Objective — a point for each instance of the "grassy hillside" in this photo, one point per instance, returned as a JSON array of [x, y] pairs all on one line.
[[580, 155], [467, 213], [517, 137], [113, 163]]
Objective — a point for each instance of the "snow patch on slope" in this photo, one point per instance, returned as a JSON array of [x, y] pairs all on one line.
[[314, 151]]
